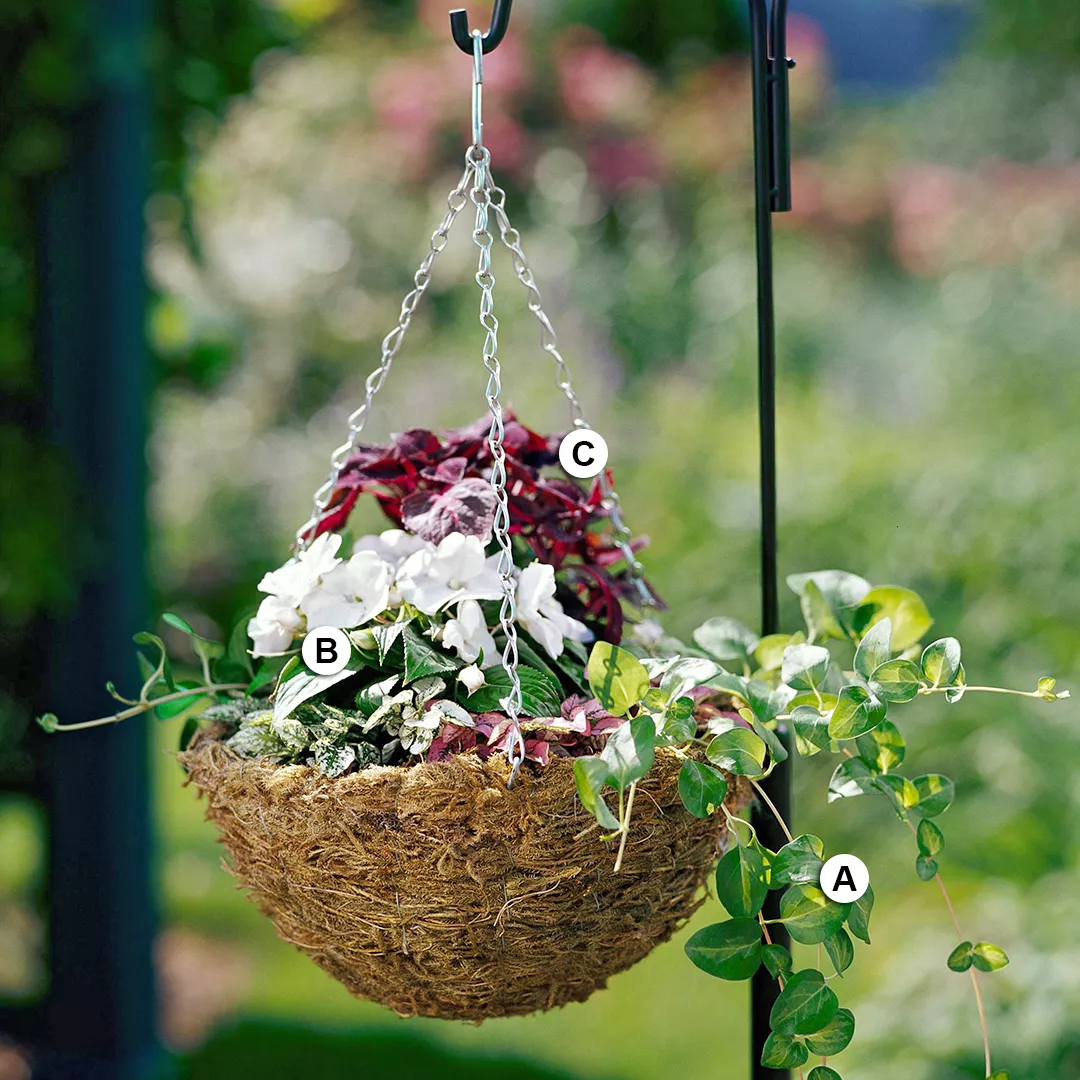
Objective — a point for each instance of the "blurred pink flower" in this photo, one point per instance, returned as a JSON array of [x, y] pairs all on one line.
[[925, 202], [600, 86], [616, 164]]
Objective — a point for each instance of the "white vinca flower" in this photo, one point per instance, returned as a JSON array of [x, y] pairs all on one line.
[[456, 570], [541, 614], [469, 636], [278, 620], [351, 594]]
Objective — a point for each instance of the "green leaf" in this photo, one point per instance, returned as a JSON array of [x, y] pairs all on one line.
[[958, 688], [960, 959], [896, 680], [810, 915], [1001, 1074], [783, 1052], [48, 722], [303, 687], [777, 960], [900, 791], [701, 788], [926, 867], [171, 709], [161, 669], [941, 661], [929, 838], [237, 648], [332, 760], [858, 919], [857, 711], [769, 651], [829, 598], [617, 679], [805, 1005], [590, 776], [874, 649], [841, 953], [811, 730], [178, 623], [834, 1038], [685, 673], [187, 732], [678, 724], [805, 667], [541, 695], [798, 862], [738, 751], [386, 635], [728, 950], [740, 881], [905, 609], [726, 639], [936, 794], [883, 748], [630, 750], [371, 696], [423, 657], [987, 957], [851, 777], [823, 1072]]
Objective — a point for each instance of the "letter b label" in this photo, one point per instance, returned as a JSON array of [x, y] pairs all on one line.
[[326, 650]]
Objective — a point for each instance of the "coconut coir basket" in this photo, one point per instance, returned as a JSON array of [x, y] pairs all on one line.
[[436, 891]]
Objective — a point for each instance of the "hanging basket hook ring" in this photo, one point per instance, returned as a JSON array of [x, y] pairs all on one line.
[[500, 20]]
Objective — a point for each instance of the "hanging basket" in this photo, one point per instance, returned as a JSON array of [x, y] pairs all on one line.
[[435, 890], [462, 885]]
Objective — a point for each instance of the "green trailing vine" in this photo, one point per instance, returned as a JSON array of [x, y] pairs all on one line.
[[728, 703], [836, 687]]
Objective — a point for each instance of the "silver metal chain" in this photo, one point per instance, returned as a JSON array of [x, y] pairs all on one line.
[[549, 342], [480, 195], [456, 201]]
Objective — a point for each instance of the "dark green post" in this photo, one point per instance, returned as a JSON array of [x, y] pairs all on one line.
[[98, 1019]]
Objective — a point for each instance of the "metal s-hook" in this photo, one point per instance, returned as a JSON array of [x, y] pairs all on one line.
[[500, 20]]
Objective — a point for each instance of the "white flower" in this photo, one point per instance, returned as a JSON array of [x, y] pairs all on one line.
[[393, 546], [456, 570], [472, 678], [293, 581], [351, 594], [278, 619], [541, 614], [469, 636], [273, 627]]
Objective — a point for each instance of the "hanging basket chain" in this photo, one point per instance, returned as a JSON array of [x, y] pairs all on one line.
[[456, 201], [549, 342], [480, 159]]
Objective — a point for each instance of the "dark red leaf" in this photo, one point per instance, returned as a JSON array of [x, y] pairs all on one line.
[[467, 507]]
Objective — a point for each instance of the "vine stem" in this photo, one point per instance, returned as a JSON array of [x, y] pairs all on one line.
[[625, 827], [144, 706], [984, 690], [775, 813], [974, 975]]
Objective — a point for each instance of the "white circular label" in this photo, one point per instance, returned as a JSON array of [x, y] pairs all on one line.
[[583, 453], [326, 650], [844, 878]]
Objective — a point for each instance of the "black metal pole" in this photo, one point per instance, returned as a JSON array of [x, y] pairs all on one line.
[[98, 1018], [771, 193]]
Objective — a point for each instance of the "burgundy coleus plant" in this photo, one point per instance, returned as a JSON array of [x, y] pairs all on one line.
[[433, 485]]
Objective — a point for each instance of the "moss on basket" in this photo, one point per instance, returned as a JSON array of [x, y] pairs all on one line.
[[436, 891]]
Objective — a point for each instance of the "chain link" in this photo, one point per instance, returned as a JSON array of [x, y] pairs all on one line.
[[549, 342], [456, 201], [501, 526]]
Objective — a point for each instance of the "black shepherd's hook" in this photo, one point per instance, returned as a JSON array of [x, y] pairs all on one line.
[[772, 186], [500, 20]]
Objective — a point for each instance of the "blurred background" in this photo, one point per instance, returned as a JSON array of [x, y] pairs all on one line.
[[208, 216]]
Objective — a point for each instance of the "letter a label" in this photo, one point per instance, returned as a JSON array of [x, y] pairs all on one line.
[[844, 878]]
